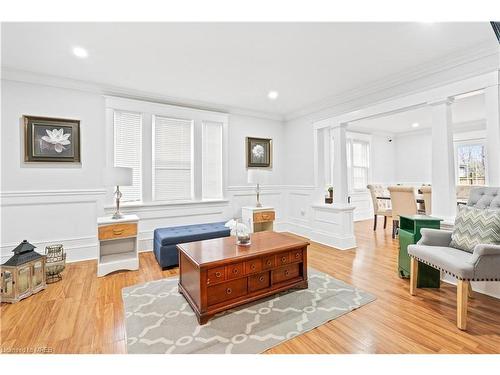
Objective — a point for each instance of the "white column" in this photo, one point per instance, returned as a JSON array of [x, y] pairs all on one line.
[[444, 199], [339, 173], [491, 96]]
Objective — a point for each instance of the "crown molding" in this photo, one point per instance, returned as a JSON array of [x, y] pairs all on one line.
[[485, 56], [16, 75]]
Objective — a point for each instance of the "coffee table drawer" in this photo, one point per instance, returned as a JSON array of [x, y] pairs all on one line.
[[285, 273], [296, 256], [259, 281], [252, 266], [226, 291], [234, 270], [216, 275], [268, 262], [282, 259]]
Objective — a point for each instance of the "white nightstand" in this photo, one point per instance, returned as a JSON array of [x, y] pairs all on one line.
[[118, 247], [258, 219]]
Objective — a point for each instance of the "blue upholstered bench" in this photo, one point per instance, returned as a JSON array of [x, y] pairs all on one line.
[[166, 239]]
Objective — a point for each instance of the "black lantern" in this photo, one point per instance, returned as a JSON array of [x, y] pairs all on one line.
[[23, 274]]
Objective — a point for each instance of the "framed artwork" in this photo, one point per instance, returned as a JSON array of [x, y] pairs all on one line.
[[51, 139], [259, 152]]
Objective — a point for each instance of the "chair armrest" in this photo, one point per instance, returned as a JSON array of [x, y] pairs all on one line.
[[435, 237], [486, 249]]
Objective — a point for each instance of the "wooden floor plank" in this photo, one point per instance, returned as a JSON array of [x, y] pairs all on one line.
[[84, 314]]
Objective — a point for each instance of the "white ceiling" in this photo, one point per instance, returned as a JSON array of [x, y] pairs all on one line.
[[467, 111], [236, 64]]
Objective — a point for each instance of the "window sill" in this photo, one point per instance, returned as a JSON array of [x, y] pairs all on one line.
[[128, 207]]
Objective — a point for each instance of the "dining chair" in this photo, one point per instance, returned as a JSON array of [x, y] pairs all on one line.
[[427, 194], [380, 207], [404, 202]]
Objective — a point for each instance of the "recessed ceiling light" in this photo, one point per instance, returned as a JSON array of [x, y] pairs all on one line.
[[80, 52], [273, 95], [415, 125]]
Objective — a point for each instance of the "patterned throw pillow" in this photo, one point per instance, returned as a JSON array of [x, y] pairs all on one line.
[[475, 226]]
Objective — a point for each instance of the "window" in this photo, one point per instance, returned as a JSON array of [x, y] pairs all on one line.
[[212, 160], [358, 163], [471, 163], [177, 153], [127, 130], [173, 159]]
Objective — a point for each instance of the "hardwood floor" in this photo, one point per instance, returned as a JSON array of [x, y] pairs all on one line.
[[84, 314]]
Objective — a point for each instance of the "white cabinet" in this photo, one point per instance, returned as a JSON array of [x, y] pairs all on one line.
[[258, 219], [118, 246]]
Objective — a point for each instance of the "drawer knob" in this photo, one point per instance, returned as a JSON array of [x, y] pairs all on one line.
[[117, 231], [268, 262], [252, 266], [283, 259], [235, 271], [217, 274], [261, 279], [287, 272], [229, 291], [297, 255]]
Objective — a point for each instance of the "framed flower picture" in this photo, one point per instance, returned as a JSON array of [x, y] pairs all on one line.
[[259, 152], [51, 139]]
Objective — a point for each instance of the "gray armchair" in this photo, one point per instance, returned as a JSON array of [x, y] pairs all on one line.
[[483, 264]]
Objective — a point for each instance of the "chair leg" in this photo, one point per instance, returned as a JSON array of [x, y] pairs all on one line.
[[375, 222], [413, 276], [385, 222], [471, 292], [462, 296], [395, 225]]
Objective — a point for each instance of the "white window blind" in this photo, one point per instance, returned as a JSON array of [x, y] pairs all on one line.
[[212, 160], [127, 151], [173, 159], [358, 163]]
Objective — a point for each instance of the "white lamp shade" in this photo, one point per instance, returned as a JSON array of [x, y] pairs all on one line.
[[258, 176], [117, 176]]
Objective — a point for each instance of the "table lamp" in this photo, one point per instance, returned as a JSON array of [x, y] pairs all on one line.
[[258, 176], [117, 176]]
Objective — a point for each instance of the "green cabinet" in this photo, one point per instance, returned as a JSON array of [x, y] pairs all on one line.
[[409, 234]]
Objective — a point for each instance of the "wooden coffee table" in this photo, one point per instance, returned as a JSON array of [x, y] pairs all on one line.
[[216, 275]]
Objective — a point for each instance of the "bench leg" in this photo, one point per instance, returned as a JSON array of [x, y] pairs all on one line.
[[462, 296], [413, 276]]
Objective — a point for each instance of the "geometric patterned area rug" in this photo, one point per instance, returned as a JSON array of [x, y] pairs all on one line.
[[159, 320]]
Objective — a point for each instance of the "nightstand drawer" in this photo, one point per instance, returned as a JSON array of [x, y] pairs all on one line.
[[263, 216], [109, 232]]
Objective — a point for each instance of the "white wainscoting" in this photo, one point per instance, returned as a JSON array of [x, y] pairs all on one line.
[[363, 203], [69, 216], [50, 217]]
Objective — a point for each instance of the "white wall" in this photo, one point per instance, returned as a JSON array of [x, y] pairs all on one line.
[[383, 159], [241, 127], [413, 161], [55, 203]]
